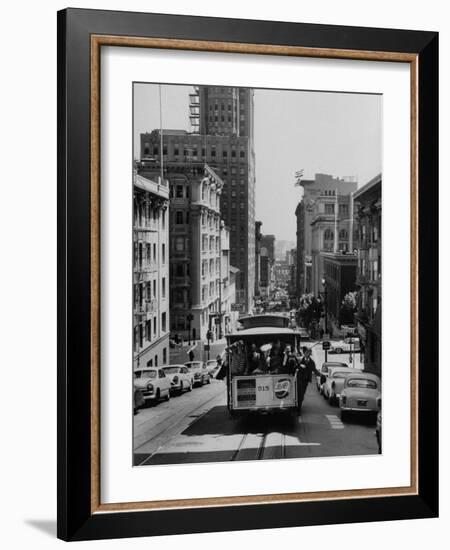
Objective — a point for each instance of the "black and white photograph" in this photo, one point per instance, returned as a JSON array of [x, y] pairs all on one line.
[[257, 262]]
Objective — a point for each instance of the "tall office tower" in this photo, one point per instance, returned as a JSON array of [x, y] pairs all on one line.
[[222, 120], [226, 122]]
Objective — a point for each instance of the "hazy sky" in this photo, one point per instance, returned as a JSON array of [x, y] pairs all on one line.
[[326, 132]]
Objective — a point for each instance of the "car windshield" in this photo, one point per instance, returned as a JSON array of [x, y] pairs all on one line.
[[211, 363], [171, 370], [339, 374], [145, 374], [362, 383], [340, 365], [193, 365]]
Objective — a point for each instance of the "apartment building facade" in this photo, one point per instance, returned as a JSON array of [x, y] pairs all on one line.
[[150, 272]]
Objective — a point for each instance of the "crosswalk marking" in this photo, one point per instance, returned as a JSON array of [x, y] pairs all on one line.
[[335, 422]]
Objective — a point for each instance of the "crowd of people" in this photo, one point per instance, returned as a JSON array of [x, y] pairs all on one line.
[[272, 358]]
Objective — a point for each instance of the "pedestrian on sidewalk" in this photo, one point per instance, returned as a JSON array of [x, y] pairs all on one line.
[[191, 355]]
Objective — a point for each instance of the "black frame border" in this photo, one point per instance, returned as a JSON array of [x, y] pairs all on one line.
[[75, 520]]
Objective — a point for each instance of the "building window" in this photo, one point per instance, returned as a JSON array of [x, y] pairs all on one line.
[[179, 192], [164, 356], [156, 360], [163, 287], [329, 209], [163, 219], [163, 253], [154, 326], [148, 330], [328, 237], [179, 244], [154, 288], [163, 322], [179, 271], [242, 154], [179, 217], [343, 235], [224, 154]]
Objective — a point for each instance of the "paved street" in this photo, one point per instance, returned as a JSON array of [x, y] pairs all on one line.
[[196, 427]]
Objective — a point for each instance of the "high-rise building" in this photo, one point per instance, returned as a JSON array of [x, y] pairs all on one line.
[[314, 217], [268, 246], [223, 119], [258, 236], [150, 272]]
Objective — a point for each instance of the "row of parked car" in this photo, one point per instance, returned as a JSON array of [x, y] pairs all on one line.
[[355, 391], [153, 384]]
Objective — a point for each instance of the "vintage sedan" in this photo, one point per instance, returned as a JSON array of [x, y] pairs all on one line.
[[335, 382], [180, 378], [153, 382], [199, 372], [212, 367], [361, 394], [321, 378], [347, 345]]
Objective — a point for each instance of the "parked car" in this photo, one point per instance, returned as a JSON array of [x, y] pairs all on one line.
[[138, 399], [335, 382], [346, 345], [212, 367], [153, 382], [361, 394], [321, 378], [181, 379], [199, 372]]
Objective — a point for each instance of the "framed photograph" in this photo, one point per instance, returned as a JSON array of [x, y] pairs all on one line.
[[247, 255]]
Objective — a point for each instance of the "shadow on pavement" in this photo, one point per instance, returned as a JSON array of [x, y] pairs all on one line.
[[217, 421]]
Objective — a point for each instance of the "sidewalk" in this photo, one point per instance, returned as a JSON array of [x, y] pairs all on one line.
[[180, 355]]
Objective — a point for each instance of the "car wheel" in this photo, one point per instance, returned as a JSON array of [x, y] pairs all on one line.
[[158, 395], [181, 387], [343, 416], [338, 350], [208, 380], [332, 400], [168, 395]]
